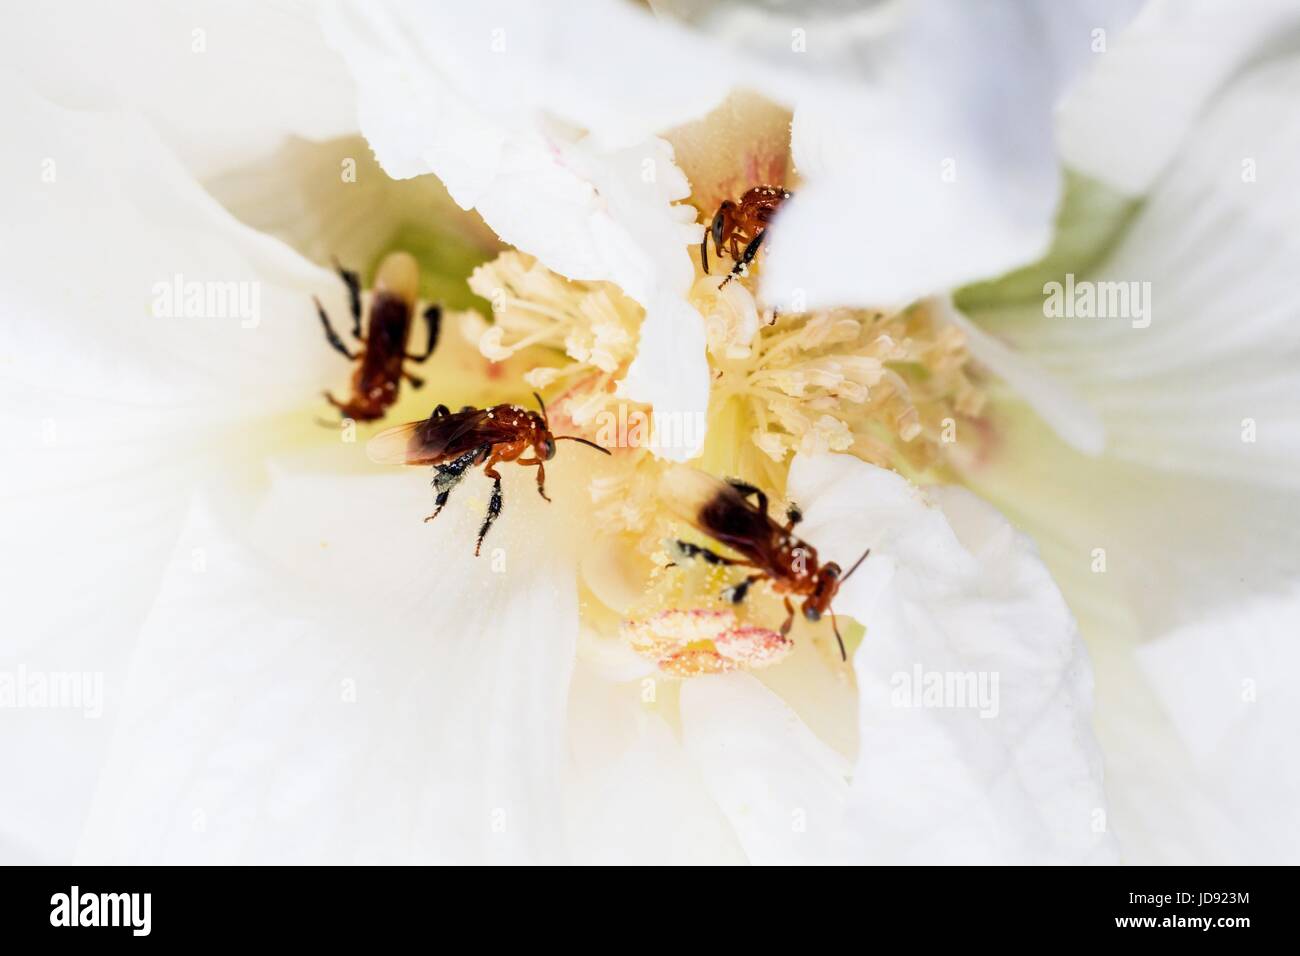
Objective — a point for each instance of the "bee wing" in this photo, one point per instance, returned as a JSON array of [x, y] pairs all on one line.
[[717, 509], [437, 438], [395, 446], [686, 491]]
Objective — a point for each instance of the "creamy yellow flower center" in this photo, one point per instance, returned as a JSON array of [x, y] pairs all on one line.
[[886, 386], [583, 333]]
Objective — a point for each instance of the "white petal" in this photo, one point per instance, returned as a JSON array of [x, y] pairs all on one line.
[[310, 695], [632, 792], [1186, 514], [1068, 414], [198, 71], [782, 789], [671, 373], [1202, 379], [941, 167], [1226, 684], [1153, 563], [1008, 773], [118, 412], [1182, 529], [1126, 118], [128, 287], [331, 200], [527, 128], [1190, 629], [88, 535], [534, 122]]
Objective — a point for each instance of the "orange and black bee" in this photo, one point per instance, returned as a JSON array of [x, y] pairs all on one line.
[[454, 442], [723, 511], [383, 354], [743, 222]]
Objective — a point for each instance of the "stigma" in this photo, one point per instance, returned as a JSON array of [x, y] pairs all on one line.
[[695, 642]]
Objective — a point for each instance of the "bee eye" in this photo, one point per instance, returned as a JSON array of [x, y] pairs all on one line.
[[717, 229], [811, 612], [548, 449]]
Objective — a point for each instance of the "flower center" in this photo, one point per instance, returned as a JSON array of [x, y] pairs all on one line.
[[689, 643], [589, 329], [887, 387]]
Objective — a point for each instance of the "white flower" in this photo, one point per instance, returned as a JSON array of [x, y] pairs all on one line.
[[549, 122], [1186, 510], [295, 668]]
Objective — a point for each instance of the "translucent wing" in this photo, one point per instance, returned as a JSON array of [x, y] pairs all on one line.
[[720, 511], [394, 446], [445, 435]]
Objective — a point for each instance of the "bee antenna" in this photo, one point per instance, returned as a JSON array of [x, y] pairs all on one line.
[[541, 404], [836, 628], [584, 441], [855, 565]]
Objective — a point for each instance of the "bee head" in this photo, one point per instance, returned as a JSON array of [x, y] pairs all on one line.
[[543, 440], [826, 584], [719, 229]]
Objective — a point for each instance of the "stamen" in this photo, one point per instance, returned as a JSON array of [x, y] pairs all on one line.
[[592, 323], [877, 385]]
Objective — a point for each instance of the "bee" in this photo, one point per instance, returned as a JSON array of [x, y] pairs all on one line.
[[383, 354], [743, 222], [454, 442], [724, 511]]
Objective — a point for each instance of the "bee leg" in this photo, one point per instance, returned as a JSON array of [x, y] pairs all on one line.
[[416, 381], [792, 516], [746, 257], [541, 474], [687, 550], [353, 282], [704, 252], [448, 476], [734, 246], [353, 409], [789, 618], [439, 502], [493, 509], [746, 489], [330, 335], [432, 319], [738, 592]]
